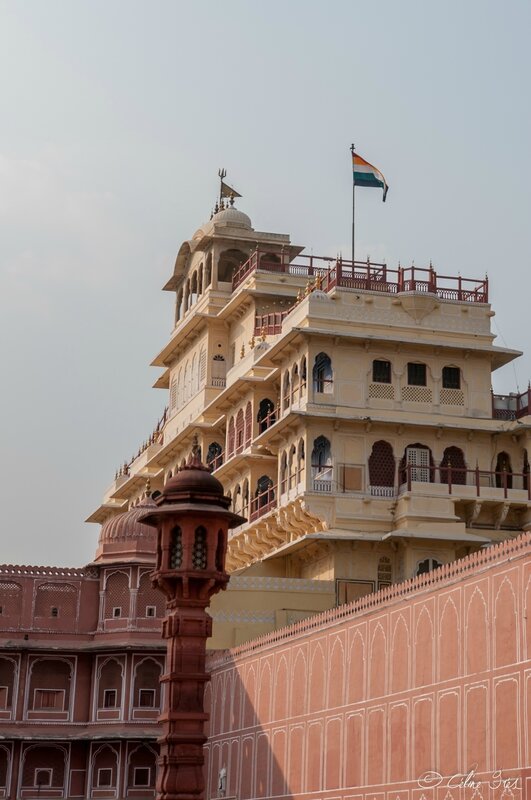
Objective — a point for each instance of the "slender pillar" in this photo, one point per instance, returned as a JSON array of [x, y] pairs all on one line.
[[192, 521]]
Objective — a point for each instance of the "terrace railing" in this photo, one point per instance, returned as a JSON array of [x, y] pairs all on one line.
[[454, 477], [263, 503], [366, 276], [511, 406]]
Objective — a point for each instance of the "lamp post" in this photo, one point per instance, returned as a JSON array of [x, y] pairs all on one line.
[[192, 519]]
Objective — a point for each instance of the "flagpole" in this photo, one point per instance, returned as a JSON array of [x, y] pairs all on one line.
[[353, 201]]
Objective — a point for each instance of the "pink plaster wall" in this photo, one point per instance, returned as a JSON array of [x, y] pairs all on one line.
[[360, 702]]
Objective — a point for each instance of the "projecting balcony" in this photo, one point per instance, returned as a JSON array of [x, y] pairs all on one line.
[[465, 483], [511, 406], [362, 276]]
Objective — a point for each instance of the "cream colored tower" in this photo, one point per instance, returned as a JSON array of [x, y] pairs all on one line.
[[346, 408]]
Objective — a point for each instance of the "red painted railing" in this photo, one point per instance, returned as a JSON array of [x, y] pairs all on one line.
[[459, 476], [367, 276], [269, 324], [263, 503], [511, 406]]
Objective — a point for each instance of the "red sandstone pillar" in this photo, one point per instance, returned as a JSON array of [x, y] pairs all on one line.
[[192, 520]]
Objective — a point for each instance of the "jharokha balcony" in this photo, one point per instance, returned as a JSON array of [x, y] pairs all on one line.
[[365, 276]]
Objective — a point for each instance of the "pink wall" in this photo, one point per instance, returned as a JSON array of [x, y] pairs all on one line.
[[360, 702]]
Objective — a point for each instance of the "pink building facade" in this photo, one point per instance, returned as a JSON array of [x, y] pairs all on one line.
[[419, 692], [81, 658]]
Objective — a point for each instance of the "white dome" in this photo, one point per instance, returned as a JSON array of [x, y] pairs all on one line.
[[318, 294], [233, 217]]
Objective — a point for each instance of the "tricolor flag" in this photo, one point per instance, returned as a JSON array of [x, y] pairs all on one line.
[[365, 174]]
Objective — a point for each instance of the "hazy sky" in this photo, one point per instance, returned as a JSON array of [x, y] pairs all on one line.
[[114, 119]]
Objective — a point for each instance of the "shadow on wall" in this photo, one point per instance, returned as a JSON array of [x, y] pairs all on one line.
[[253, 763]]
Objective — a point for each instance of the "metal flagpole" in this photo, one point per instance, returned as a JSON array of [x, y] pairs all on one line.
[[353, 201]]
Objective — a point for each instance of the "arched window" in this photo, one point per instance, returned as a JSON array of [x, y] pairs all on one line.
[[292, 466], [219, 370], [504, 471], [117, 597], [208, 270], [321, 464], [427, 565], [237, 499], [245, 497], [193, 289], [286, 391], [230, 438], [266, 414], [200, 280], [50, 684], [43, 767], [214, 455], [248, 424], [229, 262], [265, 492], [176, 548], [142, 769], [452, 467], [105, 768], [240, 431], [295, 383], [283, 472], [303, 375], [110, 684], [146, 689], [300, 461], [199, 553], [417, 464], [323, 382], [382, 469]]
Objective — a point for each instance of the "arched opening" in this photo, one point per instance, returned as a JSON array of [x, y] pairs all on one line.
[[323, 381], [295, 383], [245, 497], [229, 262], [219, 371], [300, 461], [240, 431], [230, 438], [382, 469], [110, 684], [193, 289], [322, 465], [179, 305], [303, 375], [292, 467], [200, 280], [286, 391], [248, 424], [417, 464], [266, 414], [283, 473], [237, 499], [142, 769], [188, 292], [504, 471], [214, 455], [176, 548], [208, 270], [199, 553], [453, 467], [264, 497], [427, 565], [146, 689], [270, 261]]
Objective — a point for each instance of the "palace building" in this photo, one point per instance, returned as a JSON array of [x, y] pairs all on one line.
[[347, 409]]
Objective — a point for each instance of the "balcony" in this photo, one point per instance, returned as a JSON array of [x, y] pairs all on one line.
[[365, 276], [511, 406], [465, 482]]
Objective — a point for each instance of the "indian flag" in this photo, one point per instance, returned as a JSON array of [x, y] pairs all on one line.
[[365, 174]]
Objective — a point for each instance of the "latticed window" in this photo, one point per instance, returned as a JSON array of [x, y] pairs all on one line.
[[150, 602], [381, 371], [176, 548], [382, 465], [416, 374], [199, 553], [173, 394], [10, 598], [117, 595], [56, 600], [451, 378], [385, 572]]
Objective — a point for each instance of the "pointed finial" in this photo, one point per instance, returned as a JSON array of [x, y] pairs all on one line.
[[263, 334], [148, 488], [252, 342], [195, 455], [242, 351], [231, 199], [216, 208]]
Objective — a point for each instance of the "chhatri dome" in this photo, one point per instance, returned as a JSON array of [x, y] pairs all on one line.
[[124, 538], [232, 217]]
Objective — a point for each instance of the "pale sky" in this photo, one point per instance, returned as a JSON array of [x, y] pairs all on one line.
[[114, 119]]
